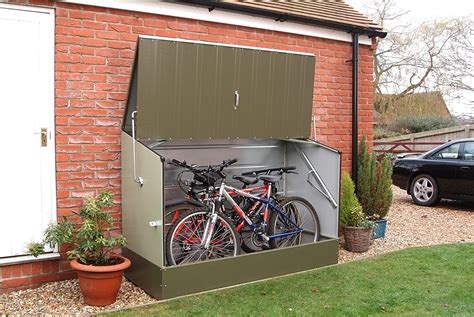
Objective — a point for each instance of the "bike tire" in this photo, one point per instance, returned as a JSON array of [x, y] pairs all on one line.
[[277, 224], [191, 252], [173, 213]]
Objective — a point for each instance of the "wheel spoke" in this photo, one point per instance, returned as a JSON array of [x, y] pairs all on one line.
[[187, 236]]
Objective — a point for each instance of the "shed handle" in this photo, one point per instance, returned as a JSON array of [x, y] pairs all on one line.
[[236, 99]]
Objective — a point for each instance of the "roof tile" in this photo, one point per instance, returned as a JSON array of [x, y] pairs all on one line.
[[324, 10]]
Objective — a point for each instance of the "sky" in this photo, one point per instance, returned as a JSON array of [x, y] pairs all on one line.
[[430, 9]]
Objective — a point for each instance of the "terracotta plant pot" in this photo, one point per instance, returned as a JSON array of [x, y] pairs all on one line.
[[357, 239], [100, 284]]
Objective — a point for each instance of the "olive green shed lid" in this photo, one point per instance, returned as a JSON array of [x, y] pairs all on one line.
[[195, 90]]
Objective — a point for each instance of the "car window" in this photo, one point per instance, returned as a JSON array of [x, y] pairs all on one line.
[[469, 151], [450, 152]]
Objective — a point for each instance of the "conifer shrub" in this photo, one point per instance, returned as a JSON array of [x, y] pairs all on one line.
[[374, 183], [383, 194], [350, 211]]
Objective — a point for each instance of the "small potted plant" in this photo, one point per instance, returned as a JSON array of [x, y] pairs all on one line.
[[357, 229], [91, 246]]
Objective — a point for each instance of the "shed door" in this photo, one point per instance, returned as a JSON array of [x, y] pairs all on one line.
[[189, 90], [27, 170]]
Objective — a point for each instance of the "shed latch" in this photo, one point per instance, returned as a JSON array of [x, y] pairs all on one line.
[[155, 223], [236, 99]]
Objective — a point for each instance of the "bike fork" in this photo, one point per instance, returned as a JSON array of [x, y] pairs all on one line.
[[266, 215], [209, 229]]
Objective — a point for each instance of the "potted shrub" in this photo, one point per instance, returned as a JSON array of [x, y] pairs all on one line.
[[374, 188], [357, 229], [91, 246]]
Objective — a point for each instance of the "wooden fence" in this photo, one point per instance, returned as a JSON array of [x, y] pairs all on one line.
[[423, 141]]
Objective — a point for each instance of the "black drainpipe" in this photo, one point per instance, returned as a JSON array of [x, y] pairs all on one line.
[[355, 104]]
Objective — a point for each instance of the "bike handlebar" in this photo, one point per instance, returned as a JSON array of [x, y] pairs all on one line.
[[287, 169], [215, 168]]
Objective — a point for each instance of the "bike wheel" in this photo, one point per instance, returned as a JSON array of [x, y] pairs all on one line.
[[173, 213], [299, 214], [183, 242]]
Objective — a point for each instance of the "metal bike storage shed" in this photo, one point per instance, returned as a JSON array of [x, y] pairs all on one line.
[[203, 103]]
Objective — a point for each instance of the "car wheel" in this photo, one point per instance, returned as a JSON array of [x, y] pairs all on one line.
[[424, 190]]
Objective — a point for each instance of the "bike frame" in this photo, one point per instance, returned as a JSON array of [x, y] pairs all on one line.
[[265, 189]]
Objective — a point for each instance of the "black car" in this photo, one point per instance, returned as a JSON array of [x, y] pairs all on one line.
[[444, 172]]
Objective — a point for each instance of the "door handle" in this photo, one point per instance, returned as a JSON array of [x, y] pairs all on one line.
[[465, 168], [44, 136]]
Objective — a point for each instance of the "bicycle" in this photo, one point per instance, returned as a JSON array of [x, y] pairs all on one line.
[[208, 234]]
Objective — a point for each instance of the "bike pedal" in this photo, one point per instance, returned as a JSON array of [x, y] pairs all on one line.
[[265, 237]]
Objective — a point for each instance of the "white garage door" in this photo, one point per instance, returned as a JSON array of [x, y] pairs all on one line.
[[27, 168]]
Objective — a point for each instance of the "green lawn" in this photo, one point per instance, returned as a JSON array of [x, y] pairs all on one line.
[[414, 282]]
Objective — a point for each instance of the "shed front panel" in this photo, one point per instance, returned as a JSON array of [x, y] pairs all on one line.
[[189, 90], [142, 204]]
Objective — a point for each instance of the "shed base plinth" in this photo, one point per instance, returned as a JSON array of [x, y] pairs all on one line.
[[173, 281]]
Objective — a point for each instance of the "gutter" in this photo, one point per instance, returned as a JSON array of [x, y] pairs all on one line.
[[282, 17]]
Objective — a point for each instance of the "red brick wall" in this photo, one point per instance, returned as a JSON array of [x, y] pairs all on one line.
[[94, 52], [27, 275]]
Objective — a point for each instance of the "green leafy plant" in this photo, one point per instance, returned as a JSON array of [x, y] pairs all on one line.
[[91, 240], [381, 133], [414, 124], [374, 183], [350, 211]]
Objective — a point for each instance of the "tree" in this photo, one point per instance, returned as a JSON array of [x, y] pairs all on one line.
[[434, 55]]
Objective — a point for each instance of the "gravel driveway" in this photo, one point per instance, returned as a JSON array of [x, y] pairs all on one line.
[[409, 225]]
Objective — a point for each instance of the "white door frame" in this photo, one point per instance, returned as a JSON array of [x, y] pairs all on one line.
[[49, 37]]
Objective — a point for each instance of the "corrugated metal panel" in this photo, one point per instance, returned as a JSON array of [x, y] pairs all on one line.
[[186, 90], [325, 10]]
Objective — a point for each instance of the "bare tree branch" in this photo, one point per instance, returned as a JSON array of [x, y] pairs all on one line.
[[435, 55]]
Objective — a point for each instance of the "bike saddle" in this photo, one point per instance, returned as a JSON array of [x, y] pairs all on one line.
[[198, 189], [247, 180], [270, 178]]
